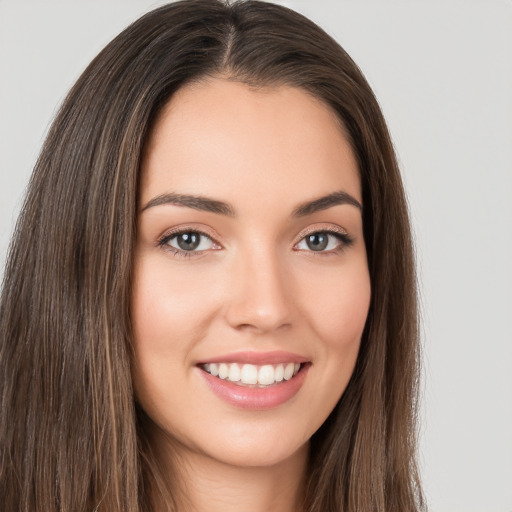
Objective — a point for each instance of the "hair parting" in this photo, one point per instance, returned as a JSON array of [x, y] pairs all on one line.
[[71, 434]]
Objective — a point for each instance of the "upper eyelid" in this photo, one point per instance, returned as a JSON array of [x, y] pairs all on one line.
[[210, 233], [345, 239], [163, 243], [326, 228], [172, 232]]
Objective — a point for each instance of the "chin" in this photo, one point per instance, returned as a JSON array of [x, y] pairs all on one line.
[[251, 455]]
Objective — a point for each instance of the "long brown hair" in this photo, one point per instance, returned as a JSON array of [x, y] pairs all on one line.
[[71, 438]]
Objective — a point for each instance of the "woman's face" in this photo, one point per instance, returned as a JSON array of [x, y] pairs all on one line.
[[251, 285]]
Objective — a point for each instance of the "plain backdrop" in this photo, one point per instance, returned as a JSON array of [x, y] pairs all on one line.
[[442, 71]]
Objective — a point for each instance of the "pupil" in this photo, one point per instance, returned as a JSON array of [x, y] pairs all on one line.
[[317, 241], [188, 241]]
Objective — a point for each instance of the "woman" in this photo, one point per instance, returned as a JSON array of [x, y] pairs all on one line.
[[210, 296]]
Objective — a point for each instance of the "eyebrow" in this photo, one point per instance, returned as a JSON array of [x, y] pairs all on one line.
[[196, 202], [325, 202], [220, 207]]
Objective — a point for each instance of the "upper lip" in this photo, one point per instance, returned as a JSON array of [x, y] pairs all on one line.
[[257, 358]]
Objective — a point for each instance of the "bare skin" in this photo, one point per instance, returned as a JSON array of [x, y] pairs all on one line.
[[266, 185], [206, 484]]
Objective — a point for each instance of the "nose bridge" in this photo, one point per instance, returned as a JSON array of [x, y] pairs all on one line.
[[259, 299]]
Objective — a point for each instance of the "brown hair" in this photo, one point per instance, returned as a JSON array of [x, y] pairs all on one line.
[[70, 436]]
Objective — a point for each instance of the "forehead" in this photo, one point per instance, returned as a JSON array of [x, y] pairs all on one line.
[[224, 139]]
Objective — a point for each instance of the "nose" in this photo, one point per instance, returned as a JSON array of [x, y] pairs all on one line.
[[259, 298]]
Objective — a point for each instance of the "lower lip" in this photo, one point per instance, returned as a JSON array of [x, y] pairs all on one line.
[[256, 398]]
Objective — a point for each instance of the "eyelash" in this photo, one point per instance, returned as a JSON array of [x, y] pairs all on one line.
[[163, 242], [344, 238]]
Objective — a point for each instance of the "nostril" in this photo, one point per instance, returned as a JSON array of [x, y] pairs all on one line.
[[259, 296], [261, 327]]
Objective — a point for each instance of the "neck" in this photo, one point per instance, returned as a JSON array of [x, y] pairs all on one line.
[[208, 485], [214, 487]]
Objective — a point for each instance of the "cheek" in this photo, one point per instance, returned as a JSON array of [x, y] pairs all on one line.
[[337, 310], [169, 317], [337, 306], [168, 306]]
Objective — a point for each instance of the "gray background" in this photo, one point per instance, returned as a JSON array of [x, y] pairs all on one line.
[[442, 71]]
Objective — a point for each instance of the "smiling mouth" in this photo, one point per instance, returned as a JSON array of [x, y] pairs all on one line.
[[250, 375]]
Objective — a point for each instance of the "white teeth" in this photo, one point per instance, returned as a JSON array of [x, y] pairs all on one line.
[[266, 375], [288, 371], [250, 374], [223, 370], [234, 372]]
